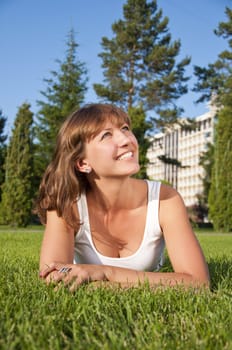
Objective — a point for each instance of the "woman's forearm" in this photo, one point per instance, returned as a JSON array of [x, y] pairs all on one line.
[[78, 274], [133, 277]]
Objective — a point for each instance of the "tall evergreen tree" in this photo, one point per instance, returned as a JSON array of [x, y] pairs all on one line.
[[2, 150], [206, 162], [216, 80], [140, 127], [65, 92], [220, 194], [141, 70], [139, 63], [16, 191]]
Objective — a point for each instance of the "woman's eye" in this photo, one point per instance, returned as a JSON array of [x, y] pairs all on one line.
[[125, 128], [105, 135]]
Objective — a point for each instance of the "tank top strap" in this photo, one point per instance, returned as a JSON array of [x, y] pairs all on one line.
[[153, 206], [82, 211], [153, 190]]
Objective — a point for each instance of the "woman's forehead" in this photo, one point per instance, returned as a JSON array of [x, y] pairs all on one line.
[[109, 125], [115, 119], [107, 122], [112, 124]]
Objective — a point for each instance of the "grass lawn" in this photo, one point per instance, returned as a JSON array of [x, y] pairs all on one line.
[[34, 316]]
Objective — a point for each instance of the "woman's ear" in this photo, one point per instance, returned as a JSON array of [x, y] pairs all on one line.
[[83, 166]]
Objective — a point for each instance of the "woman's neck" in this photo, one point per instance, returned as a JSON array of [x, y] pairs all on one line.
[[113, 194]]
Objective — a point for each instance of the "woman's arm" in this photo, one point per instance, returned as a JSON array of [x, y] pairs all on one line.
[[183, 248], [58, 242]]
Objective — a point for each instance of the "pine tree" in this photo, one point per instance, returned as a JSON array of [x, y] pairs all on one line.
[[139, 63], [220, 194], [206, 162], [16, 192], [65, 92], [216, 80], [140, 127], [140, 69], [2, 150]]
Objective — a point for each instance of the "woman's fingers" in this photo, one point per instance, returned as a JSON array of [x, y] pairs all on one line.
[[46, 271], [71, 276], [58, 267]]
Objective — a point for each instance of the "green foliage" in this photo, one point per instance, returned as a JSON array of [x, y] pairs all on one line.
[[2, 151], [17, 188], [139, 63], [215, 82], [197, 213], [65, 93], [220, 194], [140, 127], [206, 162], [171, 161], [140, 69], [34, 316]]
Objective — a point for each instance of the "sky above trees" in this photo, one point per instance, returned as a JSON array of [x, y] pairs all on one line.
[[33, 36]]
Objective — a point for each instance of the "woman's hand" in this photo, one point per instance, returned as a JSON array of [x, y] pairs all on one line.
[[73, 275]]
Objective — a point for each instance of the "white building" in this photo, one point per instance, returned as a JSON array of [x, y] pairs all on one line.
[[186, 146]]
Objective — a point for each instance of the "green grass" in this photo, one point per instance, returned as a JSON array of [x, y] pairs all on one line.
[[34, 316]]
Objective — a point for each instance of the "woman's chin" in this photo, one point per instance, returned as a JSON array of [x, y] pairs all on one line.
[[135, 170]]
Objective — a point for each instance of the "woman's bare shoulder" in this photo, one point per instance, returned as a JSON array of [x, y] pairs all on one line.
[[54, 220], [168, 192], [172, 207]]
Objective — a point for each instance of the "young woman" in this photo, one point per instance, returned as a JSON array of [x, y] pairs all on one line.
[[101, 223]]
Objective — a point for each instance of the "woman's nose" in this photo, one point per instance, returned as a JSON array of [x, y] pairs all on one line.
[[122, 138]]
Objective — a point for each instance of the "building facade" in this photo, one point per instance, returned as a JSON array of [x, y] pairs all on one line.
[[174, 156]]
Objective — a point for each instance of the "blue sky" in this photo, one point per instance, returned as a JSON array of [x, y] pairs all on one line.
[[33, 36]]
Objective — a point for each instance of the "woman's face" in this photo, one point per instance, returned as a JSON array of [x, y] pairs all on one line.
[[112, 152]]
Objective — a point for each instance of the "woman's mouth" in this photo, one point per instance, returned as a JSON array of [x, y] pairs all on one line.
[[126, 155]]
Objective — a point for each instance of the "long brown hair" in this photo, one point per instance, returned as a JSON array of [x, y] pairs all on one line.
[[62, 183]]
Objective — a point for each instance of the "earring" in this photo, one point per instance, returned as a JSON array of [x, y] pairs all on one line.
[[88, 170]]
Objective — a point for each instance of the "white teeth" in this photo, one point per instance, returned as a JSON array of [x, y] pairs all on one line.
[[125, 156]]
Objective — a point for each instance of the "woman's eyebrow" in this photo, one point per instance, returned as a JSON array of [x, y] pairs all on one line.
[[106, 129]]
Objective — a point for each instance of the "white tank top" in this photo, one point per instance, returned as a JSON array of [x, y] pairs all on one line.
[[148, 257]]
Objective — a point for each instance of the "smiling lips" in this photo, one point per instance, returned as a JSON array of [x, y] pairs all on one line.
[[125, 156]]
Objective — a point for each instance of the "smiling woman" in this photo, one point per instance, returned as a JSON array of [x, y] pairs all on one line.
[[114, 143], [101, 223]]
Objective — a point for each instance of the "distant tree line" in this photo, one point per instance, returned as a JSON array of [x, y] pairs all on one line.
[[143, 75]]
